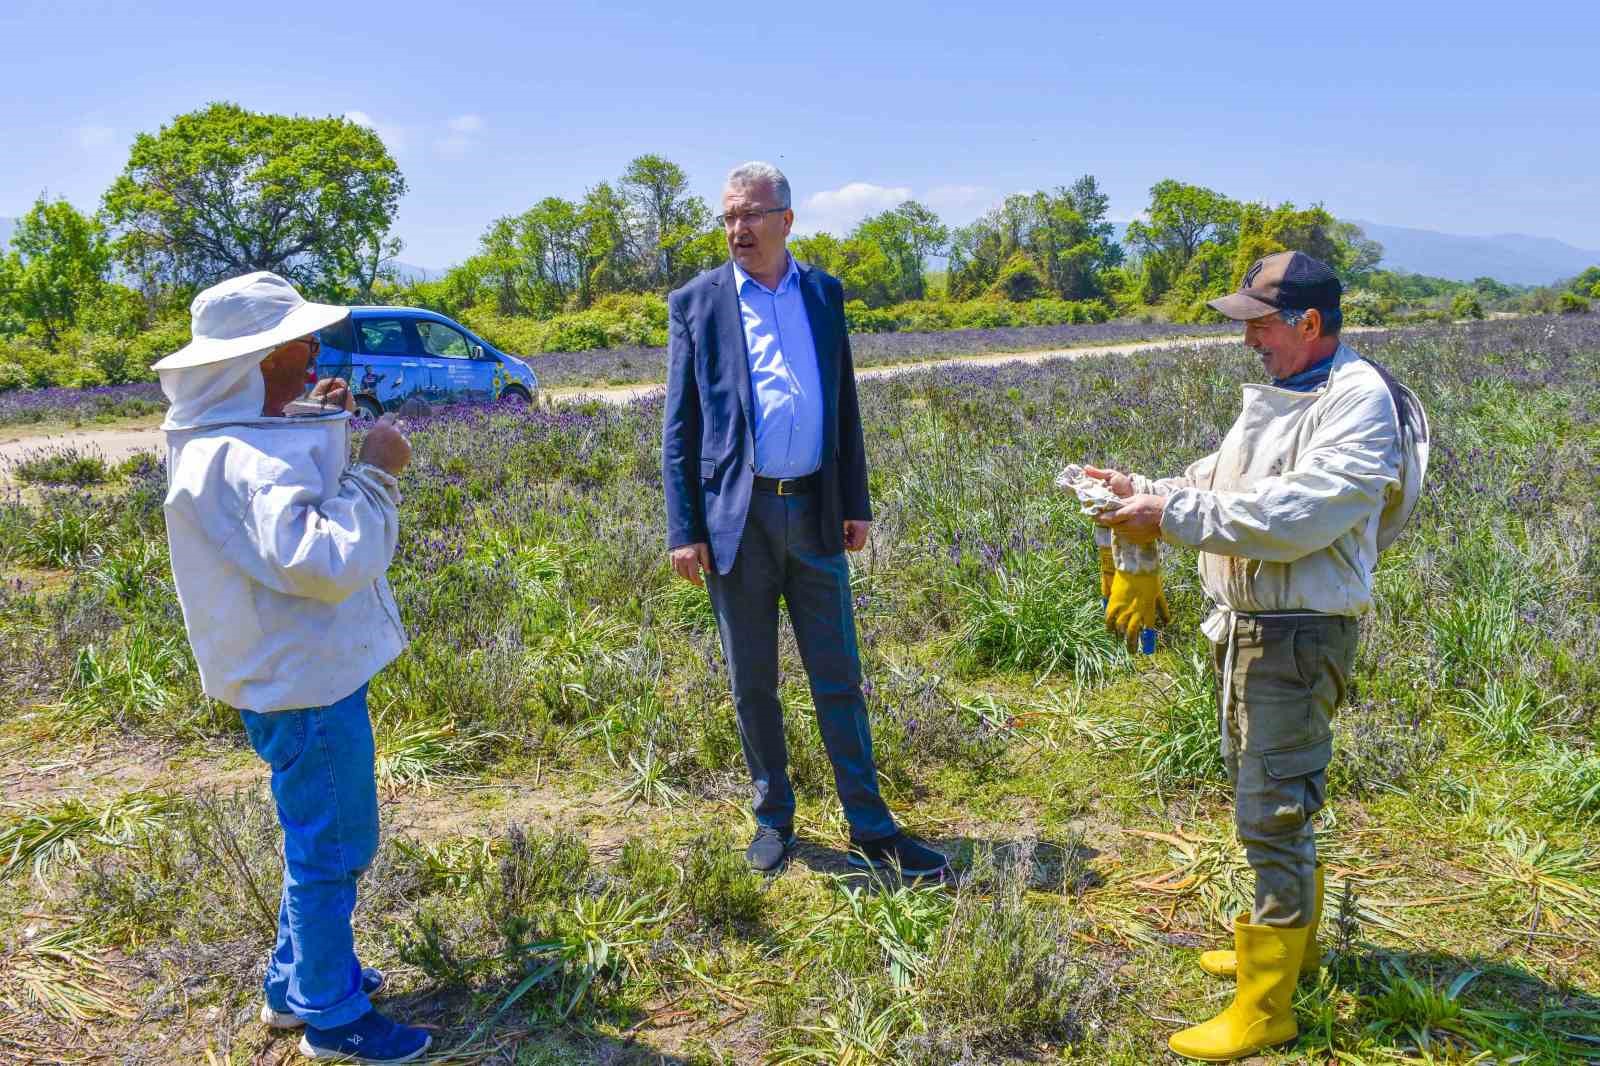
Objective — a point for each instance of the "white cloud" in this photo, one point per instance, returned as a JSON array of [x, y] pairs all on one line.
[[960, 204], [454, 138], [462, 138], [838, 210], [91, 137], [394, 138]]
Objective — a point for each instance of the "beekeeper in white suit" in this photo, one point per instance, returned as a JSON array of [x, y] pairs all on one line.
[[1318, 474], [279, 546]]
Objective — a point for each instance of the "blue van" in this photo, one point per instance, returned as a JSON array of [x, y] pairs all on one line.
[[390, 355]]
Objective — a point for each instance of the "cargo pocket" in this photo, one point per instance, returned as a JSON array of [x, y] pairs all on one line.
[[1300, 761], [1306, 764]]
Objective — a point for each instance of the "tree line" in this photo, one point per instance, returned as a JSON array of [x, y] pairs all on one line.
[[223, 190]]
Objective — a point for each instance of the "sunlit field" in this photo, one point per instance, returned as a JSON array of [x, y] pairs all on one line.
[[562, 881]]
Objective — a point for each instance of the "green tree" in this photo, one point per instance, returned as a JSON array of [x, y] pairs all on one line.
[[1180, 220], [1065, 234], [1361, 254], [821, 250], [55, 267], [667, 219], [223, 191], [612, 241], [1266, 230], [907, 235]]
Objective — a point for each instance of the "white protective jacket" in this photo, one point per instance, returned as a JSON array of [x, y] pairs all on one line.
[[278, 545], [1286, 514]]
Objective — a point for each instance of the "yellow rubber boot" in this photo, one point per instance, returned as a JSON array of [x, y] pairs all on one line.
[[1225, 963], [1262, 1012]]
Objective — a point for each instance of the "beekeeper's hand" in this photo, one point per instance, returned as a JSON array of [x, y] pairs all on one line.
[[691, 560], [333, 392], [1138, 520], [1137, 603], [386, 447], [1119, 483]]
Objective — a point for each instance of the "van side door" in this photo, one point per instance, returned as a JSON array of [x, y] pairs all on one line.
[[458, 376], [389, 373]]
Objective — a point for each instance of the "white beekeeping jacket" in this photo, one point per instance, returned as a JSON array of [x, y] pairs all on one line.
[[1287, 513], [279, 546]]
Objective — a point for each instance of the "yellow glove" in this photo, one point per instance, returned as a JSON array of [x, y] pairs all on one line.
[[1107, 567], [1136, 603]]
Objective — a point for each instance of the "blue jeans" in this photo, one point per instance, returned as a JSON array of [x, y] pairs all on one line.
[[327, 796], [781, 555]]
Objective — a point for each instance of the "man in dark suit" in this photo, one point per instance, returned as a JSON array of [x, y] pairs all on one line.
[[766, 483]]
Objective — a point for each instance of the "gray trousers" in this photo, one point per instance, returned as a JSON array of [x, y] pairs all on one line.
[[780, 555], [1281, 677]]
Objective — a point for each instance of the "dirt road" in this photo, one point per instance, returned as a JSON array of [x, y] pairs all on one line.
[[117, 444], [113, 445], [625, 393]]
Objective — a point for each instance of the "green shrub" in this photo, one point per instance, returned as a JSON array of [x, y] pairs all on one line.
[[718, 885], [1465, 304], [66, 467], [1019, 279], [1573, 304]]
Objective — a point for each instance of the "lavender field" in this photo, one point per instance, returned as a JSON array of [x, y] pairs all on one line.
[[630, 366], [24, 407], [561, 879]]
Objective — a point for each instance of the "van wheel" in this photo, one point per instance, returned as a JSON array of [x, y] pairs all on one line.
[[367, 409], [514, 397]]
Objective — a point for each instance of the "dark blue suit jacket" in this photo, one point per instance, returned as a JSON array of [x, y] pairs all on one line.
[[708, 444]]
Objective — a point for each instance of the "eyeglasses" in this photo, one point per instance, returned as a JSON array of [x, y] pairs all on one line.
[[311, 341], [732, 219]]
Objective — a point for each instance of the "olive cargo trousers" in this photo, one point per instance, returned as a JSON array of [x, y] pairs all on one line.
[[1280, 678]]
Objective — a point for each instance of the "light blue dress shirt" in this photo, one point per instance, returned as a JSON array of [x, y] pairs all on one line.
[[785, 383]]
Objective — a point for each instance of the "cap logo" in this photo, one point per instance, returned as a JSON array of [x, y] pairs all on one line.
[[1251, 275]]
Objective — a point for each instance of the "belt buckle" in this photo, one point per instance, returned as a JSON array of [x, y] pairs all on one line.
[[783, 486]]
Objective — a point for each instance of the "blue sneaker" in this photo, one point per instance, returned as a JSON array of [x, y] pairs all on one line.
[[370, 1038], [273, 1018], [911, 858]]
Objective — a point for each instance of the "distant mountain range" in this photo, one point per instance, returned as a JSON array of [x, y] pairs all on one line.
[[1514, 258]]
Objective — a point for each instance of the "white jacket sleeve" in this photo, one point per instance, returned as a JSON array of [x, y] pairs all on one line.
[[1338, 482], [1196, 473], [322, 549]]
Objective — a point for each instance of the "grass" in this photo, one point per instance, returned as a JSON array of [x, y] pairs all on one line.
[[561, 878]]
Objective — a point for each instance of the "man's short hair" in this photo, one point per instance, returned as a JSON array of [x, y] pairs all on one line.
[[759, 173], [1332, 319]]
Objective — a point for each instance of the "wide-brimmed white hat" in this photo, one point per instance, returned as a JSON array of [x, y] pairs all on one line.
[[253, 313]]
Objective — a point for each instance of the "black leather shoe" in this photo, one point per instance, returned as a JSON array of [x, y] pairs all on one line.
[[767, 850], [912, 858]]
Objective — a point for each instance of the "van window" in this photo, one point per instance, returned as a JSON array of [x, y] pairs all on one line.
[[440, 339], [382, 336], [340, 335]]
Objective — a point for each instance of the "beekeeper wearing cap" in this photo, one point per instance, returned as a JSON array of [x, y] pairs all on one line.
[[1288, 516], [279, 546]]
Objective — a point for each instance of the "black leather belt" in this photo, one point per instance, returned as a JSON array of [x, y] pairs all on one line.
[[786, 486]]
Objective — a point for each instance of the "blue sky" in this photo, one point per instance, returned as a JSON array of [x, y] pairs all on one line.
[[1420, 114]]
